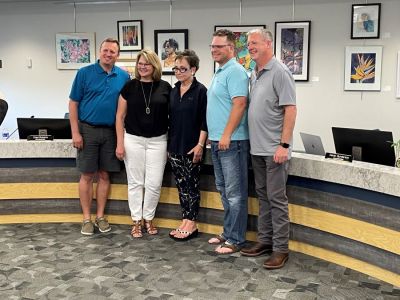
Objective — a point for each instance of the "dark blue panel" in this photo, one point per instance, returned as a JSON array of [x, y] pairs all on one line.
[[37, 162], [345, 190]]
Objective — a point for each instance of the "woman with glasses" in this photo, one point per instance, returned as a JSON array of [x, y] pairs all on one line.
[[141, 125], [187, 137]]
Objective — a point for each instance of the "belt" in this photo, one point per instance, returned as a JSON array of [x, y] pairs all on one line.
[[97, 125]]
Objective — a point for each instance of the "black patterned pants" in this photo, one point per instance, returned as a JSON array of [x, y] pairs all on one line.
[[187, 175]]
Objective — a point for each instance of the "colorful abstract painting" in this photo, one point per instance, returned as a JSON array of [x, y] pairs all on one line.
[[75, 50], [241, 51]]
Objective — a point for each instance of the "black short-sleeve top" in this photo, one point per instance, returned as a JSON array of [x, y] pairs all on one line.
[[137, 121]]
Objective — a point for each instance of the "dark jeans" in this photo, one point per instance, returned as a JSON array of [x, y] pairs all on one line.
[[231, 180]]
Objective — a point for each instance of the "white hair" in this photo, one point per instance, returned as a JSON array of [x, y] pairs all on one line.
[[266, 34]]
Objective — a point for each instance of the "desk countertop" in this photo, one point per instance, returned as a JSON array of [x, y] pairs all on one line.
[[379, 178]]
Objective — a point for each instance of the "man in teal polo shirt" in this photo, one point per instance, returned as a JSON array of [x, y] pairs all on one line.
[[92, 108], [228, 133]]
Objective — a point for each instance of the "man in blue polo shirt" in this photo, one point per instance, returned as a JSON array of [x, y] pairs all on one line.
[[92, 109], [228, 133]]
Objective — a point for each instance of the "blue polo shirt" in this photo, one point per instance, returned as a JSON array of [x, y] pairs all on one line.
[[229, 81], [97, 93]]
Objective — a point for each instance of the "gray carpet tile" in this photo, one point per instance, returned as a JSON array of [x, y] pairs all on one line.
[[54, 261]]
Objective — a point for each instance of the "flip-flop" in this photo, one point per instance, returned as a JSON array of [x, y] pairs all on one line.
[[216, 240], [232, 249], [176, 231], [189, 236]]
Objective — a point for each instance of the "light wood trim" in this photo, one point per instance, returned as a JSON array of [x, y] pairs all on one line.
[[361, 231], [346, 261], [377, 236]]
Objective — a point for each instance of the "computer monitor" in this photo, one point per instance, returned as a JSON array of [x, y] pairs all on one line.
[[58, 128], [372, 146]]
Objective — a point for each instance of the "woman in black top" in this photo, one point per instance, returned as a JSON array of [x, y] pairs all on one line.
[[141, 125], [187, 136]]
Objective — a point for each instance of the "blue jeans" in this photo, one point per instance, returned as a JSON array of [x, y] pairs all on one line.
[[231, 169]]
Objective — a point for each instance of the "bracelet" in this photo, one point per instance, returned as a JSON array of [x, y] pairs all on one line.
[[202, 146]]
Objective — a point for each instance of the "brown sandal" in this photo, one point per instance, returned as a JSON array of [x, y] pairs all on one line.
[[150, 229], [216, 240], [136, 231]]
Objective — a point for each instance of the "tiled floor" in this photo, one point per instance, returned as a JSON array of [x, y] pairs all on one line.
[[54, 261]]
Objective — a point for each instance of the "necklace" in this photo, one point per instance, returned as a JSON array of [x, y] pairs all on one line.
[[145, 99]]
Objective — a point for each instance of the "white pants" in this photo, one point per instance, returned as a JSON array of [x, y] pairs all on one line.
[[145, 160]]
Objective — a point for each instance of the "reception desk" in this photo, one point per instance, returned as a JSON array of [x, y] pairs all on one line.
[[346, 213]]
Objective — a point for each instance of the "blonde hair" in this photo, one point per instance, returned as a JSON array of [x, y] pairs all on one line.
[[151, 57]]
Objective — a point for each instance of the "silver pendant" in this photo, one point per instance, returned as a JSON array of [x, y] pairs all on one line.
[[148, 110]]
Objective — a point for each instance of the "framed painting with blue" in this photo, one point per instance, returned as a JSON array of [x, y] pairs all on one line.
[[362, 70], [365, 21], [292, 47], [75, 50], [241, 51]]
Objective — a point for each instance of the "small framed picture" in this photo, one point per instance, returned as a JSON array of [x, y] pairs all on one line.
[[127, 64], [363, 68], [365, 21], [167, 43], [130, 35], [75, 50], [241, 51], [292, 47]]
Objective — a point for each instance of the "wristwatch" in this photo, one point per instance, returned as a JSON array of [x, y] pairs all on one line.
[[284, 145]]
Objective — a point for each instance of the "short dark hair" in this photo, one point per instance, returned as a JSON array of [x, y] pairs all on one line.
[[172, 43], [230, 36], [190, 56], [110, 40]]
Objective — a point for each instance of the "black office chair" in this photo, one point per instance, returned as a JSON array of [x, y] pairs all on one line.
[[3, 110]]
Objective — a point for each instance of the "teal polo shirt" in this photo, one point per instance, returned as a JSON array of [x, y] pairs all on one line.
[[229, 81], [97, 93]]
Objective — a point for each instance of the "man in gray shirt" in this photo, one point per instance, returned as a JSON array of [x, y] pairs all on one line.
[[272, 115]]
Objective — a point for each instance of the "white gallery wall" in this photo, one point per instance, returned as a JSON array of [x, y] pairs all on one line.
[[27, 32]]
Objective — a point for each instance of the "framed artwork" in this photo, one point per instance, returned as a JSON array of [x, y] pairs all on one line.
[[398, 76], [130, 35], [167, 43], [365, 21], [127, 64], [241, 51], [75, 50], [292, 47], [362, 70]]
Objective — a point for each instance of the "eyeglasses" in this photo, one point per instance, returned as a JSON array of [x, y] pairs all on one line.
[[180, 70], [218, 46], [144, 65]]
